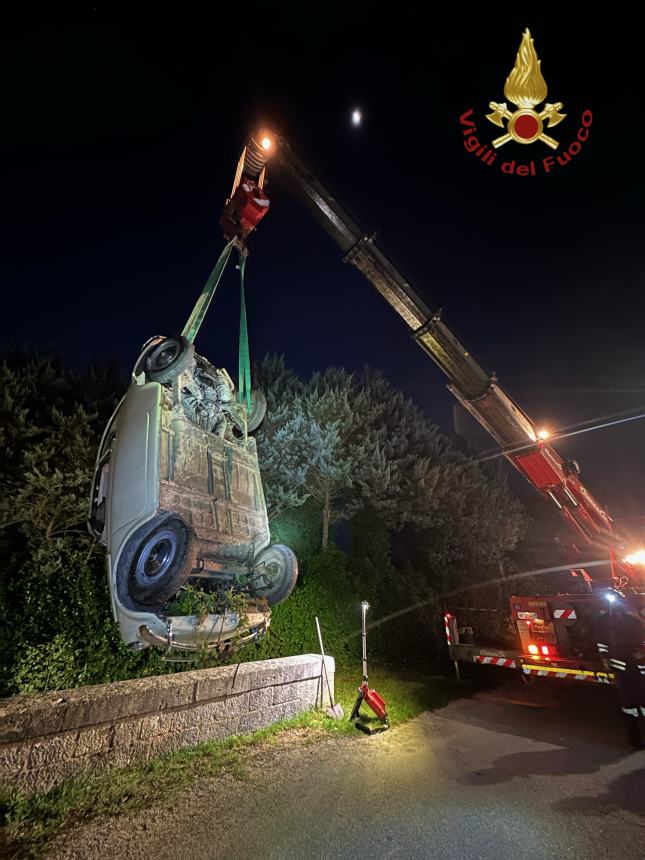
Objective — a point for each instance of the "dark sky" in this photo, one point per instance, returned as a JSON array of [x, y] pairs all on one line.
[[120, 137]]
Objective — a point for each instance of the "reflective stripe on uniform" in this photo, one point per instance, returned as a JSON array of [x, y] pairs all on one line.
[[631, 712], [617, 664]]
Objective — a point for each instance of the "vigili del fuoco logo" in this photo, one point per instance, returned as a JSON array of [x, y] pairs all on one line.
[[526, 89]]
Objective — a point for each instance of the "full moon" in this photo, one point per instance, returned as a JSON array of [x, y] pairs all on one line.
[[357, 117]]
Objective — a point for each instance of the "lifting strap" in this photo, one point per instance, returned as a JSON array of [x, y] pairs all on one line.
[[244, 360], [196, 318]]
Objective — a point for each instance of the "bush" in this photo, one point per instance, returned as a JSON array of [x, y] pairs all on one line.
[[299, 528], [51, 665], [63, 631], [325, 590], [56, 625]]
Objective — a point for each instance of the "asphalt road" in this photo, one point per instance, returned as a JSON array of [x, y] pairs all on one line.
[[513, 772]]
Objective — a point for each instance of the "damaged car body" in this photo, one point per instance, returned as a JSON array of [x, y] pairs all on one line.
[[177, 499]]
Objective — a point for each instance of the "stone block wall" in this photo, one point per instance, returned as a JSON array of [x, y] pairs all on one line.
[[47, 737]]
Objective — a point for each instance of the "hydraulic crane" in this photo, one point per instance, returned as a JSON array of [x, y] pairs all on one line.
[[521, 442], [557, 633]]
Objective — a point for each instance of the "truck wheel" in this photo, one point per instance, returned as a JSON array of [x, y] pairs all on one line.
[[258, 410], [275, 573], [165, 360], [158, 563]]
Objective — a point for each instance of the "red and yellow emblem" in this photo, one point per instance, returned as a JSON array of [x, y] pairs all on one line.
[[526, 88]]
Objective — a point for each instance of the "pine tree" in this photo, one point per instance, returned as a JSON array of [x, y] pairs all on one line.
[[351, 440]]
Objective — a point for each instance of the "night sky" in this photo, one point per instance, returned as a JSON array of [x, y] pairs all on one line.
[[120, 137]]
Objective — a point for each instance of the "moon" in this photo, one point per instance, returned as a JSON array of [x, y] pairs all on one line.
[[357, 117]]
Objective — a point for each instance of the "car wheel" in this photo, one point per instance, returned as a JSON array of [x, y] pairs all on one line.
[[158, 564], [275, 573], [258, 410], [165, 360]]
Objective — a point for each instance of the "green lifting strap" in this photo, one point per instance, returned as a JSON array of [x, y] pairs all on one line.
[[196, 318], [244, 362]]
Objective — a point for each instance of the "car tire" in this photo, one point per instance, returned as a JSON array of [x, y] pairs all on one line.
[[164, 360], [277, 567], [155, 562], [258, 410]]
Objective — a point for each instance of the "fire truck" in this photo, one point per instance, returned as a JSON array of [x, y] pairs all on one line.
[[557, 634]]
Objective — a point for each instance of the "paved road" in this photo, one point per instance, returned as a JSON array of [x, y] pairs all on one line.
[[512, 773]]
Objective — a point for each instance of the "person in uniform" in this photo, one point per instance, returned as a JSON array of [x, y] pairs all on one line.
[[621, 645]]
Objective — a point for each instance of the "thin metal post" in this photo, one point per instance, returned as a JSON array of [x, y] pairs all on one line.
[[364, 607]]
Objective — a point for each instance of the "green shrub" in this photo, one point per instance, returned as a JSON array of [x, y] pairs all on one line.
[[62, 633], [299, 528], [325, 590], [50, 666]]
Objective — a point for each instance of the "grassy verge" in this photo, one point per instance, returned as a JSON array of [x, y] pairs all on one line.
[[30, 821]]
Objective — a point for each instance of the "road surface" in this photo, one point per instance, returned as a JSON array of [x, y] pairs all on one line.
[[513, 772]]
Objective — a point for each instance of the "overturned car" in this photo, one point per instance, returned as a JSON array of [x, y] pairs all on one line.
[[177, 500]]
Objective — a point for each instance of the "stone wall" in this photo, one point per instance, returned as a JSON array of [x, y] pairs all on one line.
[[49, 736]]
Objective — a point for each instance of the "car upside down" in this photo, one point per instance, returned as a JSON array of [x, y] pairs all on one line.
[[177, 500]]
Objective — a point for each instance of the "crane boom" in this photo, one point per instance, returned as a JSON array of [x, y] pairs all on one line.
[[478, 391]]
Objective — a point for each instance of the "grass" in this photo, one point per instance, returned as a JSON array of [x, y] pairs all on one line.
[[31, 821], [406, 693]]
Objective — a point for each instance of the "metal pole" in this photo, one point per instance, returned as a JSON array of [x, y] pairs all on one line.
[[452, 636], [364, 606], [324, 669]]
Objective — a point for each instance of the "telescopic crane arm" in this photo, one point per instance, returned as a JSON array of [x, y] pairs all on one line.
[[478, 391]]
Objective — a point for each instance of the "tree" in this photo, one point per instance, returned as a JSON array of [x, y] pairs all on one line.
[[56, 624], [282, 439], [351, 440], [301, 446]]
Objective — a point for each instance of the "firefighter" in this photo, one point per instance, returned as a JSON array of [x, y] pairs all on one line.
[[622, 647]]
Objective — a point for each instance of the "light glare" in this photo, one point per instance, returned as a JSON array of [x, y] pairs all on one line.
[[357, 117], [637, 557]]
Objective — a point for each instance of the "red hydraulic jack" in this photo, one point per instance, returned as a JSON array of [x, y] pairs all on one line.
[[370, 697]]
